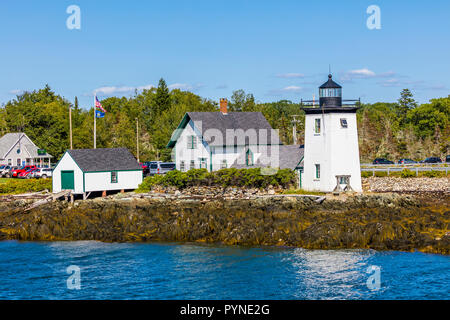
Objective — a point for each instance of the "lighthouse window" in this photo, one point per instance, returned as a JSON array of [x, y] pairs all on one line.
[[317, 126], [344, 123]]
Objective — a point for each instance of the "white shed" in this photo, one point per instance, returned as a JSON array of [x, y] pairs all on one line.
[[89, 170]]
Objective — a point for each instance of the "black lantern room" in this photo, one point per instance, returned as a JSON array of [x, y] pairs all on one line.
[[330, 100], [330, 94]]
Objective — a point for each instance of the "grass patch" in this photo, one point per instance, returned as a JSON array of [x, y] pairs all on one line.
[[17, 186]]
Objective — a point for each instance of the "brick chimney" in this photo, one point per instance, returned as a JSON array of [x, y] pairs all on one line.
[[223, 106]]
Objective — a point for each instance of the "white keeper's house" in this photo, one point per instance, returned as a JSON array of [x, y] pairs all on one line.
[[217, 140], [17, 149], [91, 170]]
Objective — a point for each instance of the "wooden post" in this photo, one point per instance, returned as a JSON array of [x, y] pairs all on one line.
[[104, 193], [122, 191]]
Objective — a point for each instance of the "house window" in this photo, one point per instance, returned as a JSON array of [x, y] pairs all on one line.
[[317, 171], [223, 164], [202, 163], [192, 165], [18, 163], [9, 162], [182, 166], [114, 177], [317, 126], [249, 158], [192, 142], [344, 123]]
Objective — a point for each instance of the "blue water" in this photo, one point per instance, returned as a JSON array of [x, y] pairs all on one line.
[[38, 270]]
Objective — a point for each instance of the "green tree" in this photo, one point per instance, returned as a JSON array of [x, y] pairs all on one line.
[[406, 102], [162, 98]]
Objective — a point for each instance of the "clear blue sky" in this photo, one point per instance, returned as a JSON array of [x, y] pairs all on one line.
[[273, 49]]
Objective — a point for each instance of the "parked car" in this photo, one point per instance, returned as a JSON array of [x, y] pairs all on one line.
[[158, 167], [406, 161], [7, 172], [382, 161], [43, 173], [27, 174], [447, 159], [15, 173], [145, 168], [432, 160], [4, 169]]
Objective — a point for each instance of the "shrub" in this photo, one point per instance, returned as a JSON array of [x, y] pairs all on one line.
[[381, 174], [432, 174], [16, 186], [231, 177], [406, 173], [366, 174]]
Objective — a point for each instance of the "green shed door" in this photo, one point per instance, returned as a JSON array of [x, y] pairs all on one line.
[[67, 180]]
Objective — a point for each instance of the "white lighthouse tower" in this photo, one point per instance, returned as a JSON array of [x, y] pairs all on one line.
[[331, 158]]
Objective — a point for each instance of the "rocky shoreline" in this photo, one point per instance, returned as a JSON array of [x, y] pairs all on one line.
[[376, 221]]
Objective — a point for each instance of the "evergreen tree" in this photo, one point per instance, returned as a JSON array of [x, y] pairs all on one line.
[[405, 103], [162, 99]]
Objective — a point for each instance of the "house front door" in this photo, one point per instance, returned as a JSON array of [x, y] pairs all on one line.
[[67, 180]]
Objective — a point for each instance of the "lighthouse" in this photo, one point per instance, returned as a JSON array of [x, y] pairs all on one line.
[[331, 156]]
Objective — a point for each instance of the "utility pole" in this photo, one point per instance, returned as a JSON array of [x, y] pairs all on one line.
[[137, 138], [70, 126]]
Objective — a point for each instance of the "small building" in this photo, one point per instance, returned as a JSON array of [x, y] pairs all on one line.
[[91, 170], [331, 160], [217, 140], [17, 149]]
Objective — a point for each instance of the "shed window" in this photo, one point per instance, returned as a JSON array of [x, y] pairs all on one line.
[[114, 177], [344, 123], [317, 126]]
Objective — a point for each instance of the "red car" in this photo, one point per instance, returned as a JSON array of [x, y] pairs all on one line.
[[16, 172], [27, 174]]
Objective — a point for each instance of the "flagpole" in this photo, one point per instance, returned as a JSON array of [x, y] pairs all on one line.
[[95, 127]]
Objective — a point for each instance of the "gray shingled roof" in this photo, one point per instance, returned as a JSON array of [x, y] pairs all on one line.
[[213, 122], [9, 139], [114, 159], [289, 158]]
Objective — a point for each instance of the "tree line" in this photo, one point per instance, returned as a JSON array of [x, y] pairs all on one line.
[[391, 130]]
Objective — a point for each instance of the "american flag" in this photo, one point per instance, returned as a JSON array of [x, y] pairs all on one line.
[[99, 105]]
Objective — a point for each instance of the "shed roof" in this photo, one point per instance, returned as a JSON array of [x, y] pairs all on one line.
[[111, 159], [217, 122]]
